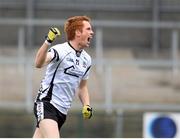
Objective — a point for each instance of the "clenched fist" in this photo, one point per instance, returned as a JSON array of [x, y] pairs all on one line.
[[87, 112], [52, 34]]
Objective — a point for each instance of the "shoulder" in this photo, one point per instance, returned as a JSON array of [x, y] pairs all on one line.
[[61, 46], [86, 56], [61, 49], [58, 51]]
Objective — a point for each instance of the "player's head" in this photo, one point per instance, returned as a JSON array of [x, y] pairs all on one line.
[[78, 24]]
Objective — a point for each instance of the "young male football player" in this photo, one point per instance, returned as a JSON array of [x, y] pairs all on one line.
[[68, 66]]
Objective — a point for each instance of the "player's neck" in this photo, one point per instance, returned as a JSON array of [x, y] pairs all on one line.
[[75, 45]]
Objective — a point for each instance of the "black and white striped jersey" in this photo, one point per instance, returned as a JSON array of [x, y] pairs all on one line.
[[63, 75]]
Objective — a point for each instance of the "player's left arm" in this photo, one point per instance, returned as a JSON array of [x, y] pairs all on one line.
[[85, 99], [83, 93]]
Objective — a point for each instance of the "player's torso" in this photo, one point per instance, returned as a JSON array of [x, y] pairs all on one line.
[[71, 66], [66, 73]]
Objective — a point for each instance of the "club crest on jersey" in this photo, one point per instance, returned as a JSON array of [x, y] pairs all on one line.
[[84, 64], [77, 62]]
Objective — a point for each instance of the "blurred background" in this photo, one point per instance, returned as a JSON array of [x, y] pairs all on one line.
[[135, 79]]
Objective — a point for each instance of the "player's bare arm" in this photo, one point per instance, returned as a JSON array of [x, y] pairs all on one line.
[[42, 56], [83, 93], [84, 97]]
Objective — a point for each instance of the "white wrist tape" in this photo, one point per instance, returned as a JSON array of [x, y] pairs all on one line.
[[48, 43]]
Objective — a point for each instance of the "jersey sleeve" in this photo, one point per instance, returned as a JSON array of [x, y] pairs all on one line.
[[55, 53], [86, 74]]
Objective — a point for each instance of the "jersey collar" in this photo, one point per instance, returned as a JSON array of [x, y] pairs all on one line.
[[78, 52]]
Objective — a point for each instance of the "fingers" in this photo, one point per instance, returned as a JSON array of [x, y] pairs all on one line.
[[52, 34], [87, 112]]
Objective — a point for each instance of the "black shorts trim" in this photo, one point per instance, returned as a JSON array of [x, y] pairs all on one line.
[[45, 110]]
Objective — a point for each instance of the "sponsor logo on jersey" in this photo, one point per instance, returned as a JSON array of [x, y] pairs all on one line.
[[73, 71]]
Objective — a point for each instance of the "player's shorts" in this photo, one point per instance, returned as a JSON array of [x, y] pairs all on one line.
[[45, 110]]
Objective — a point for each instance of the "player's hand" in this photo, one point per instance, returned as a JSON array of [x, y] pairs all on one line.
[[87, 112], [52, 34]]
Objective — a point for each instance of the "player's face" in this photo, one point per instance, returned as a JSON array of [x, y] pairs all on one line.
[[86, 34]]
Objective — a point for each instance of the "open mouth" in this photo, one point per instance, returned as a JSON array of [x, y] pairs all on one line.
[[89, 39]]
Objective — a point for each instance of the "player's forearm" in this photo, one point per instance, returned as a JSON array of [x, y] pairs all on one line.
[[84, 96], [41, 55]]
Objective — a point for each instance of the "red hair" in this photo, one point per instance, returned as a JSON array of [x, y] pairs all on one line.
[[74, 23]]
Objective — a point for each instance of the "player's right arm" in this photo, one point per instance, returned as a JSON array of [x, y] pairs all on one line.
[[43, 57]]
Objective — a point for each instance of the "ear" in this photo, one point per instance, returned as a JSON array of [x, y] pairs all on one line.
[[78, 32]]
